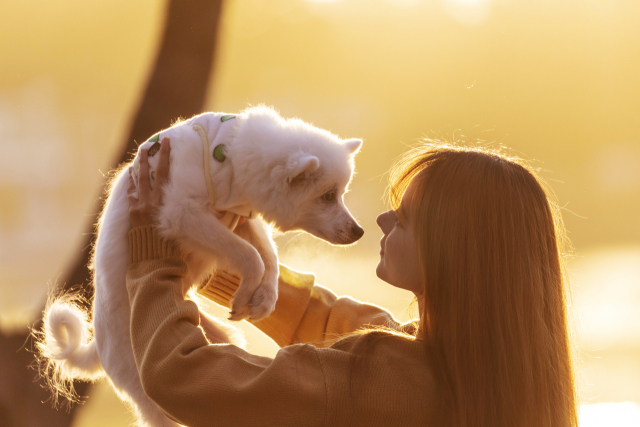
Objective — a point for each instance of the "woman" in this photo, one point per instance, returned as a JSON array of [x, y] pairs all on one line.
[[472, 234]]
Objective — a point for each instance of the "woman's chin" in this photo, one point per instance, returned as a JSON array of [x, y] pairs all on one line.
[[380, 270]]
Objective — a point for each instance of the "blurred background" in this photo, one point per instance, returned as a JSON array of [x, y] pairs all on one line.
[[555, 81]]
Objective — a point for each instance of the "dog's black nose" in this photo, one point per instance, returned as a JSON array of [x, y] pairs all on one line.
[[357, 230]]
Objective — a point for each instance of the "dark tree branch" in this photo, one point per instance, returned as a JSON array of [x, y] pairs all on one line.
[[176, 88]]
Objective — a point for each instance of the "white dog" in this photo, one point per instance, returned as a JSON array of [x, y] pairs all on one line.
[[289, 173]]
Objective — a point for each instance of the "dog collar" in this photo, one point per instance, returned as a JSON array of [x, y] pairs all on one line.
[[207, 171], [243, 210], [229, 217], [218, 154]]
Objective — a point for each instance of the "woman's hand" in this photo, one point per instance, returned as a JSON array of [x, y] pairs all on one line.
[[143, 209]]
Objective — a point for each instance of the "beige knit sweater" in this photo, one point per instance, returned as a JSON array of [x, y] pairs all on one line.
[[308, 383]]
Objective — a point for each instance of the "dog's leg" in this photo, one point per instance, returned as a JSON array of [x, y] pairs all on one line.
[[202, 229], [263, 301]]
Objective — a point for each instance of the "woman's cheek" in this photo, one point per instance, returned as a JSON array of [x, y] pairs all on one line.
[[392, 258], [384, 268]]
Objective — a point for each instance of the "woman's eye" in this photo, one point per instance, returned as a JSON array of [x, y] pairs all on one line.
[[329, 197]]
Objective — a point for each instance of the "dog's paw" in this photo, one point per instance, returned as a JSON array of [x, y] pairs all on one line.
[[263, 301], [240, 305], [259, 305], [239, 312], [252, 278]]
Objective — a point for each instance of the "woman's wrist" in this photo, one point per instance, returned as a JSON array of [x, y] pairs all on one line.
[[220, 287], [146, 244]]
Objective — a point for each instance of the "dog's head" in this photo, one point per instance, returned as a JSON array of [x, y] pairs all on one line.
[[309, 171], [317, 182]]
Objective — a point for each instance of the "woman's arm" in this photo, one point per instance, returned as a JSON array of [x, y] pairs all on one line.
[[200, 384], [305, 312]]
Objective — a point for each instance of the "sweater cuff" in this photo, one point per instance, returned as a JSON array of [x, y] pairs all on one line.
[[146, 244], [294, 293], [220, 287]]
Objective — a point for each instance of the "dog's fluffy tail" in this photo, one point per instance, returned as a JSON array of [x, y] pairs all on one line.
[[65, 352]]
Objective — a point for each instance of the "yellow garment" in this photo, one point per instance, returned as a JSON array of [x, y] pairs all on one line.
[[199, 384]]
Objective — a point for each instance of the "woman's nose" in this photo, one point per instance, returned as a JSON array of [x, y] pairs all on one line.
[[384, 221]]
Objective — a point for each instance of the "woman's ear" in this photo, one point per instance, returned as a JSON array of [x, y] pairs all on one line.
[[353, 145]]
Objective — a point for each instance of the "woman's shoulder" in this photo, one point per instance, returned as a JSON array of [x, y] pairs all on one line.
[[385, 374], [388, 346]]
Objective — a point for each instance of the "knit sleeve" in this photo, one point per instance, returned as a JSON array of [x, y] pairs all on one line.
[[198, 384], [305, 312], [201, 384]]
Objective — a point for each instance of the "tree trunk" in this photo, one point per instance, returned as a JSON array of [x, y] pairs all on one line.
[[176, 88]]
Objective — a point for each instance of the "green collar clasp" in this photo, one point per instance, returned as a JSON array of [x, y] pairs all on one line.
[[156, 145], [218, 153]]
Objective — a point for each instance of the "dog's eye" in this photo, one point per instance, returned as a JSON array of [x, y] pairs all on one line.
[[329, 197]]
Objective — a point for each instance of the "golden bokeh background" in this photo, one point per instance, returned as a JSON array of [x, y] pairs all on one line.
[[557, 82]]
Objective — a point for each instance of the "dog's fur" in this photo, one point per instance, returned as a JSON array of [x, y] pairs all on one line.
[[291, 173]]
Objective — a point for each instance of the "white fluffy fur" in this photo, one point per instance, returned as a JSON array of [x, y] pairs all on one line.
[[291, 173]]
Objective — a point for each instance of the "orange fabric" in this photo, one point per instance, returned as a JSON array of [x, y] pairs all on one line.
[[200, 384]]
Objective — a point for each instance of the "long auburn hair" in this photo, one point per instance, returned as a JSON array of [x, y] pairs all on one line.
[[494, 315]]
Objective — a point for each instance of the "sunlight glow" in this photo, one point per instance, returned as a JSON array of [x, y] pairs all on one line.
[[607, 283], [557, 81], [624, 414], [467, 2], [470, 12], [616, 167], [404, 2]]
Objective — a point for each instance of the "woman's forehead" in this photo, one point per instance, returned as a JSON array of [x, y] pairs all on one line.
[[407, 199]]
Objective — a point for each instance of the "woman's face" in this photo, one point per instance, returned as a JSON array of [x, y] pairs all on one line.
[[399, 263]]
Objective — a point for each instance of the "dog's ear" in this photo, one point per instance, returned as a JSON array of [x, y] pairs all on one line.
[[295, 170], [300, 168], [353, 145]]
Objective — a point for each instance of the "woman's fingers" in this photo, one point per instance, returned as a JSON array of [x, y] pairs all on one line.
[[143, 209], [134, 203], [131, 188], [144, 184], [162, 172]]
